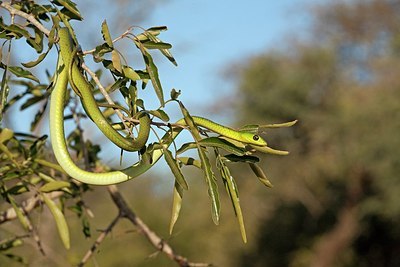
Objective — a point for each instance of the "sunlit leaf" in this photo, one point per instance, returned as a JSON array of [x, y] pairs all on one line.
[[222, 143], [161, 114], [70, 6], [106, 34], [59, 218], [54, 186], [153, 72], [173, 165], [260, 174], [176, 205], [188, 161], [130, 73], [233, 193]]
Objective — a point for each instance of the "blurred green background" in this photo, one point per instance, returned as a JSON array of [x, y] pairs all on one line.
[[336, 197]]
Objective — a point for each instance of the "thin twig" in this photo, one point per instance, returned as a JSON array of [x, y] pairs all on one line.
[[98, 241], [123, 35], [28, 17]]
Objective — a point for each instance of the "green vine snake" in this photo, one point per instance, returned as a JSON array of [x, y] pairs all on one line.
[[57, 134]]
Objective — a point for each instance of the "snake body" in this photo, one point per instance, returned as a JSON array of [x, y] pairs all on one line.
[[57, 134], [89, 103]]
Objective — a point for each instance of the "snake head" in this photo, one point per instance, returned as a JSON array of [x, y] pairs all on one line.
[[253, 139]]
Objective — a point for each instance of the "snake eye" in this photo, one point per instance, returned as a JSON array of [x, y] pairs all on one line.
[[256, 137]]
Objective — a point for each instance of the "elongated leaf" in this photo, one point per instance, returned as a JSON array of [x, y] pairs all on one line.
[[266, 149], [59, 218], [116, 60], [176, 205], [106, 34], [18, 211], [20, 72], [161, 114], [10, 243], [188, 161], [206, 166], [153, 72], [212, 186], [54, 186], [245, 158], [278, 125], [153, 31], [233, 193], [165, 50], [130, 73], [156, 45], [251, 128], [31, 64], [70, 6], [3, 93], [260, 174], [224, 144], [173, 165]]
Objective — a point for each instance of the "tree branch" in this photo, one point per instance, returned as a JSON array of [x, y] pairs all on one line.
[[28, 17], [152, 237]]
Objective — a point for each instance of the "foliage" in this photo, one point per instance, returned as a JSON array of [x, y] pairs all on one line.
[[29, 175]]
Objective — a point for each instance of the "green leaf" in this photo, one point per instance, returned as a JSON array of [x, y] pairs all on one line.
[[251, 128], [188, 161], [173, 165], [153, 72], [99, 52], [10, 243], [54, 186], [31, 64], [156, 45], [5, 90], [278, 125], [222, 143], [71, 7], [206, 166], [260, 174], [165, 51], [266, 149], [233, 193], [130, 73], [161, 114], [5, 135], [176, 205], [31, 101], [106, 34], [245, 158], [18, 211], [59, 218], [116, 60], [20, 72], [212, 186], [143, 37]]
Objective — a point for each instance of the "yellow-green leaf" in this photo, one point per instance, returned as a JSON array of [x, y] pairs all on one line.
[[260, 174], [54, 186], [59, 218], [176, 205], [129, 73], [106, 34], [173, 165]]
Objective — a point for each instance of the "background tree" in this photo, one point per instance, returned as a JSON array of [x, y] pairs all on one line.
[[338, 203]]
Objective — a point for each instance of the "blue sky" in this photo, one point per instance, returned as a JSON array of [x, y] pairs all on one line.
[[207, 37]]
